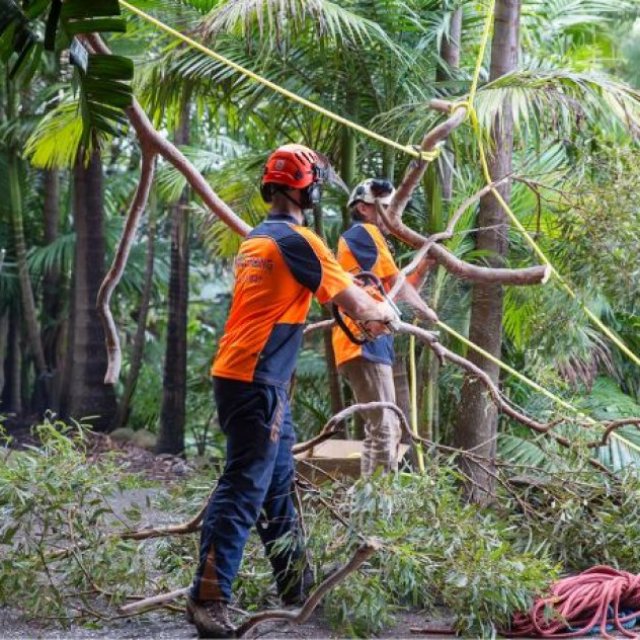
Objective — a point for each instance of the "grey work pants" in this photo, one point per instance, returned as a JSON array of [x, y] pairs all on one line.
[[371, 381]]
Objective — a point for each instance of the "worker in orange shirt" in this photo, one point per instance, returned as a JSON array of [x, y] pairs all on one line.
[[369, 367], [280, 266]]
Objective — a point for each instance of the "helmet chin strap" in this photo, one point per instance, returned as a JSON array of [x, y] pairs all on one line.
[[290, 199], [304, 200]]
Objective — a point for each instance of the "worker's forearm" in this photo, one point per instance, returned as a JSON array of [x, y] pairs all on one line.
[[358, 304], [409, 295]]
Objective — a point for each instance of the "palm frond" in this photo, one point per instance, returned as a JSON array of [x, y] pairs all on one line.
[[608, 402], [518, 450], [171, 182], [560, 96], [277, 20], [57, 138], [58, 256], [17, 39]]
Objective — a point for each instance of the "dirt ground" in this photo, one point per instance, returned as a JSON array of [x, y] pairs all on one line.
[[165, 626]]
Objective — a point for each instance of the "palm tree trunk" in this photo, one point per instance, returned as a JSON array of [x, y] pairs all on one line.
[[174, 388], [477, 419], [88, 395], [141, 327], [335, 388], [450, 54], [26, 291], [348, 168], [51, 299], [4, 342], [12, 393]]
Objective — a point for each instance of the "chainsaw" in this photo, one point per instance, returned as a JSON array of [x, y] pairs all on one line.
[[373, 286]]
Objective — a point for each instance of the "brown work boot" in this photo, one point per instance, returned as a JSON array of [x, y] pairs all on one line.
[[211, 618]]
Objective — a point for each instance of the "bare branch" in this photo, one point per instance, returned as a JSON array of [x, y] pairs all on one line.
[[612, 426], [503, 406], [331, 427], [152, 144], [361, 555], [114, 354], [393, 216], [322, 325], [153, 601], [177, 529]]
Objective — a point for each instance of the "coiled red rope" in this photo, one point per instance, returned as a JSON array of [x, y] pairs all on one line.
[[598, 600]]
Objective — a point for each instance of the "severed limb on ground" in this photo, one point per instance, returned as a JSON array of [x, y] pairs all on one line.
[[300, 616]]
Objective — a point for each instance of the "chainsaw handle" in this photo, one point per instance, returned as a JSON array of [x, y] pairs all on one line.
[[339, 318]]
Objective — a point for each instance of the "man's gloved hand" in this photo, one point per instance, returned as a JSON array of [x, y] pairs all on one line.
[[382, 320]]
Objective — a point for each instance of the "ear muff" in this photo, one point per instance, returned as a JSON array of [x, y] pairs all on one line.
[[311, 196], [266, 191]]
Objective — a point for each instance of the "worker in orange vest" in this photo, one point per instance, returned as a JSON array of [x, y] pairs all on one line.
[[368, 367], [280, 266]]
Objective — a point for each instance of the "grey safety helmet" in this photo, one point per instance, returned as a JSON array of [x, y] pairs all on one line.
[[368, 190]]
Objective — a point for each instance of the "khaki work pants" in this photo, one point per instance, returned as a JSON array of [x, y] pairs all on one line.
[[371, 381]]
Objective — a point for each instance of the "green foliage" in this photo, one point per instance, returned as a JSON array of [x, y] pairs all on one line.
[[62, 557], [17, 39], [57, 553], [581, 520]]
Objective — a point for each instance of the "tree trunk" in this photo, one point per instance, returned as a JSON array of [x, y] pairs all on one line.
[[4, 343], [12, 392], [348, 168], [141, 327], [174, 388], [335, 388], [27, 299], [51, 299], [63, 395], [450, 54], [477, 419], [403, 392], [88, 395]]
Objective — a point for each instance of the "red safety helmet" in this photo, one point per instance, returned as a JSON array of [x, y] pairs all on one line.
[[295, 166]]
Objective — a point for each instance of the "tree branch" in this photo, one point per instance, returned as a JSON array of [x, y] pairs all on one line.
[[152, 144], [361, 555], [393, 215], [114, 354]]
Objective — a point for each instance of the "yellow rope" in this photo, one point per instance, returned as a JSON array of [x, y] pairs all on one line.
[[473, 116], [484, 41], [487, 176], [534, 385], [413, 382], [426, 156]]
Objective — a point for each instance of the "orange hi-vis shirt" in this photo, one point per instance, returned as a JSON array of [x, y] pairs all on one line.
[[363, 248], [279, 267]]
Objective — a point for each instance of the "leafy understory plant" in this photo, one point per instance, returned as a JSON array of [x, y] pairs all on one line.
[[59, 559]]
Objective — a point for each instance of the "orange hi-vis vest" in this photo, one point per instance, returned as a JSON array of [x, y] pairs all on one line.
[[363, 248], [279, 267]]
